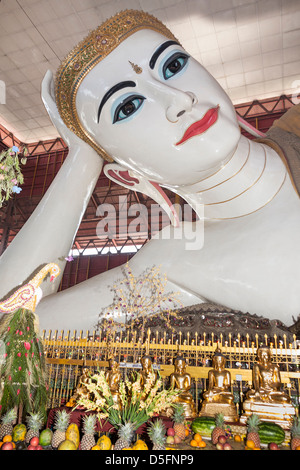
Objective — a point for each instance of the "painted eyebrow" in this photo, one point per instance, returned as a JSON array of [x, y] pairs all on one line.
[[159, 51], [111, 91]]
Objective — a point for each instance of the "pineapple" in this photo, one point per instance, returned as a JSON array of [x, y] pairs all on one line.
[[125, 435], [157, 434], [219, 428], [252, 429], [62, 420], [178, 418], [35, 423], [295, 433], [88, 438], [7, 423]]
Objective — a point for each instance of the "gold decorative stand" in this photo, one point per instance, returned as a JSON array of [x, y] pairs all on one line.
[[281, 414], [228, 410]]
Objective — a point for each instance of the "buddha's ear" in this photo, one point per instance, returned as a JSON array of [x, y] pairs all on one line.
[[134, 181]]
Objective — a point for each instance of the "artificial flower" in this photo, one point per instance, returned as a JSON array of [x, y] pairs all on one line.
[[11, 175], [16, 189]]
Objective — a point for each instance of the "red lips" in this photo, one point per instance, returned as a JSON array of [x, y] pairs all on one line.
[[201, 126]]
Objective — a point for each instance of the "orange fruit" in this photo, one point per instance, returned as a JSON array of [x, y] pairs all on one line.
[[197, 437], [1, 444], [201, 444], [187, 432], [237, 438], [7, 438], [194, 443], [297, 448], [250, 444]]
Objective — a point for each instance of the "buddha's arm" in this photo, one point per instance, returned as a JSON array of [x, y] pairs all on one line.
[[276, 378], [173, 382], [256, 378], [187, 382], [227, 381], [211, 380], [49, 233]]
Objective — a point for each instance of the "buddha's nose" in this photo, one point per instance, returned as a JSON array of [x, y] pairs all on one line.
[[181, 113], [182, 103]]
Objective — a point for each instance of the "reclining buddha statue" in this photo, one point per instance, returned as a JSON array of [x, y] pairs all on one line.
[[130, 100]]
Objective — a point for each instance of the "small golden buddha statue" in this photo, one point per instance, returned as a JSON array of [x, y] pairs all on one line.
[[147, 370], [266, 380], [180, 379], [218, 398], [113, 377], [81, 389], [266, 398]]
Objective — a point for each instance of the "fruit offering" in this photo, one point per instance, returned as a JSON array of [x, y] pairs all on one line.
[[34, 444], [157, 434], [204, 432], [197, 441], [104, 443], [295, 434], [253, 437], [218, 430], [203, 425]]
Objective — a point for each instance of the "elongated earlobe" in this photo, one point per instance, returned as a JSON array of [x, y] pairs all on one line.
[[132, 180], [249, 128]]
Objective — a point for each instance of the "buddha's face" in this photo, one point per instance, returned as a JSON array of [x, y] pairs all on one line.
[[146, 363], [180, 365], [113, 364], [264, 356], [219, 362], [172, 122]]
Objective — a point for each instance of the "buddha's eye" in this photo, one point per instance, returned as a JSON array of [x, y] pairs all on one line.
[[128, 107], [174, 64]]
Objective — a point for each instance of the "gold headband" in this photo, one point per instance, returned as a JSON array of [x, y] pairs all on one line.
[[87, 54]]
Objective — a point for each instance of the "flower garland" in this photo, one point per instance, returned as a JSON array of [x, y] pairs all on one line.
[[10, 172], [137, 403]]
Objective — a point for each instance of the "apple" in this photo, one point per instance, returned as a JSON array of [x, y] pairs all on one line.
[[273, 446], [177, 439], [227, 446], [31, 447], [34, 441], [39, 447], [7, 446], [171, 432], [219, 446], [222, 439], [170, 440]]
